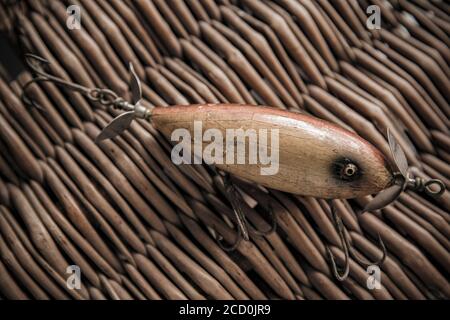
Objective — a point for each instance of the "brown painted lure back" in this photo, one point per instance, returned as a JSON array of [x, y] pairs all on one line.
[[316, 158]]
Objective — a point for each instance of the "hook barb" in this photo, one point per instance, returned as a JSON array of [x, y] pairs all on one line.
[[26, 100], [272, 227], [234, 245]]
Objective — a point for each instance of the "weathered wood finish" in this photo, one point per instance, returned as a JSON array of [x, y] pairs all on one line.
[[308, 149]]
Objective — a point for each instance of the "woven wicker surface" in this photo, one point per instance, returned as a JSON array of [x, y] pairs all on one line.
[[140, 227]]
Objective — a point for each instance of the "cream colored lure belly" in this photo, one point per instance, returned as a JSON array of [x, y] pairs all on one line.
[[316, 158]]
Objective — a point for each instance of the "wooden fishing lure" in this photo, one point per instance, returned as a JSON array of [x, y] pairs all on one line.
[[315, 158]]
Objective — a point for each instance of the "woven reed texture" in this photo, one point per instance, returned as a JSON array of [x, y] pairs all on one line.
[[140, 227]]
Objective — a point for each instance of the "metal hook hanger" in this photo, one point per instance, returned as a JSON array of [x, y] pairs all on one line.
[[242, 223], [244, 228]]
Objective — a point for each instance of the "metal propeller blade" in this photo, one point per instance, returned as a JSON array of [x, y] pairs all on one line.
[[402, 180], [384, 198], [390, 194], [135, 86], [116, 126], [397, 153], [123, 121]]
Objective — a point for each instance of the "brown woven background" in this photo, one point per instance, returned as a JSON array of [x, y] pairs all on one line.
[[140, 227]]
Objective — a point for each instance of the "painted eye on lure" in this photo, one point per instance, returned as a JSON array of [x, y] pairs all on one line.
[[347, 170]]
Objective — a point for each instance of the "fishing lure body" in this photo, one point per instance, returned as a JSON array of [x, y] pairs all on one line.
[[315, 158]]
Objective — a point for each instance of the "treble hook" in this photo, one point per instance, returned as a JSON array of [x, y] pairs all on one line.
[[244, 228], [105, 97], [33, 61], [348, 249]]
